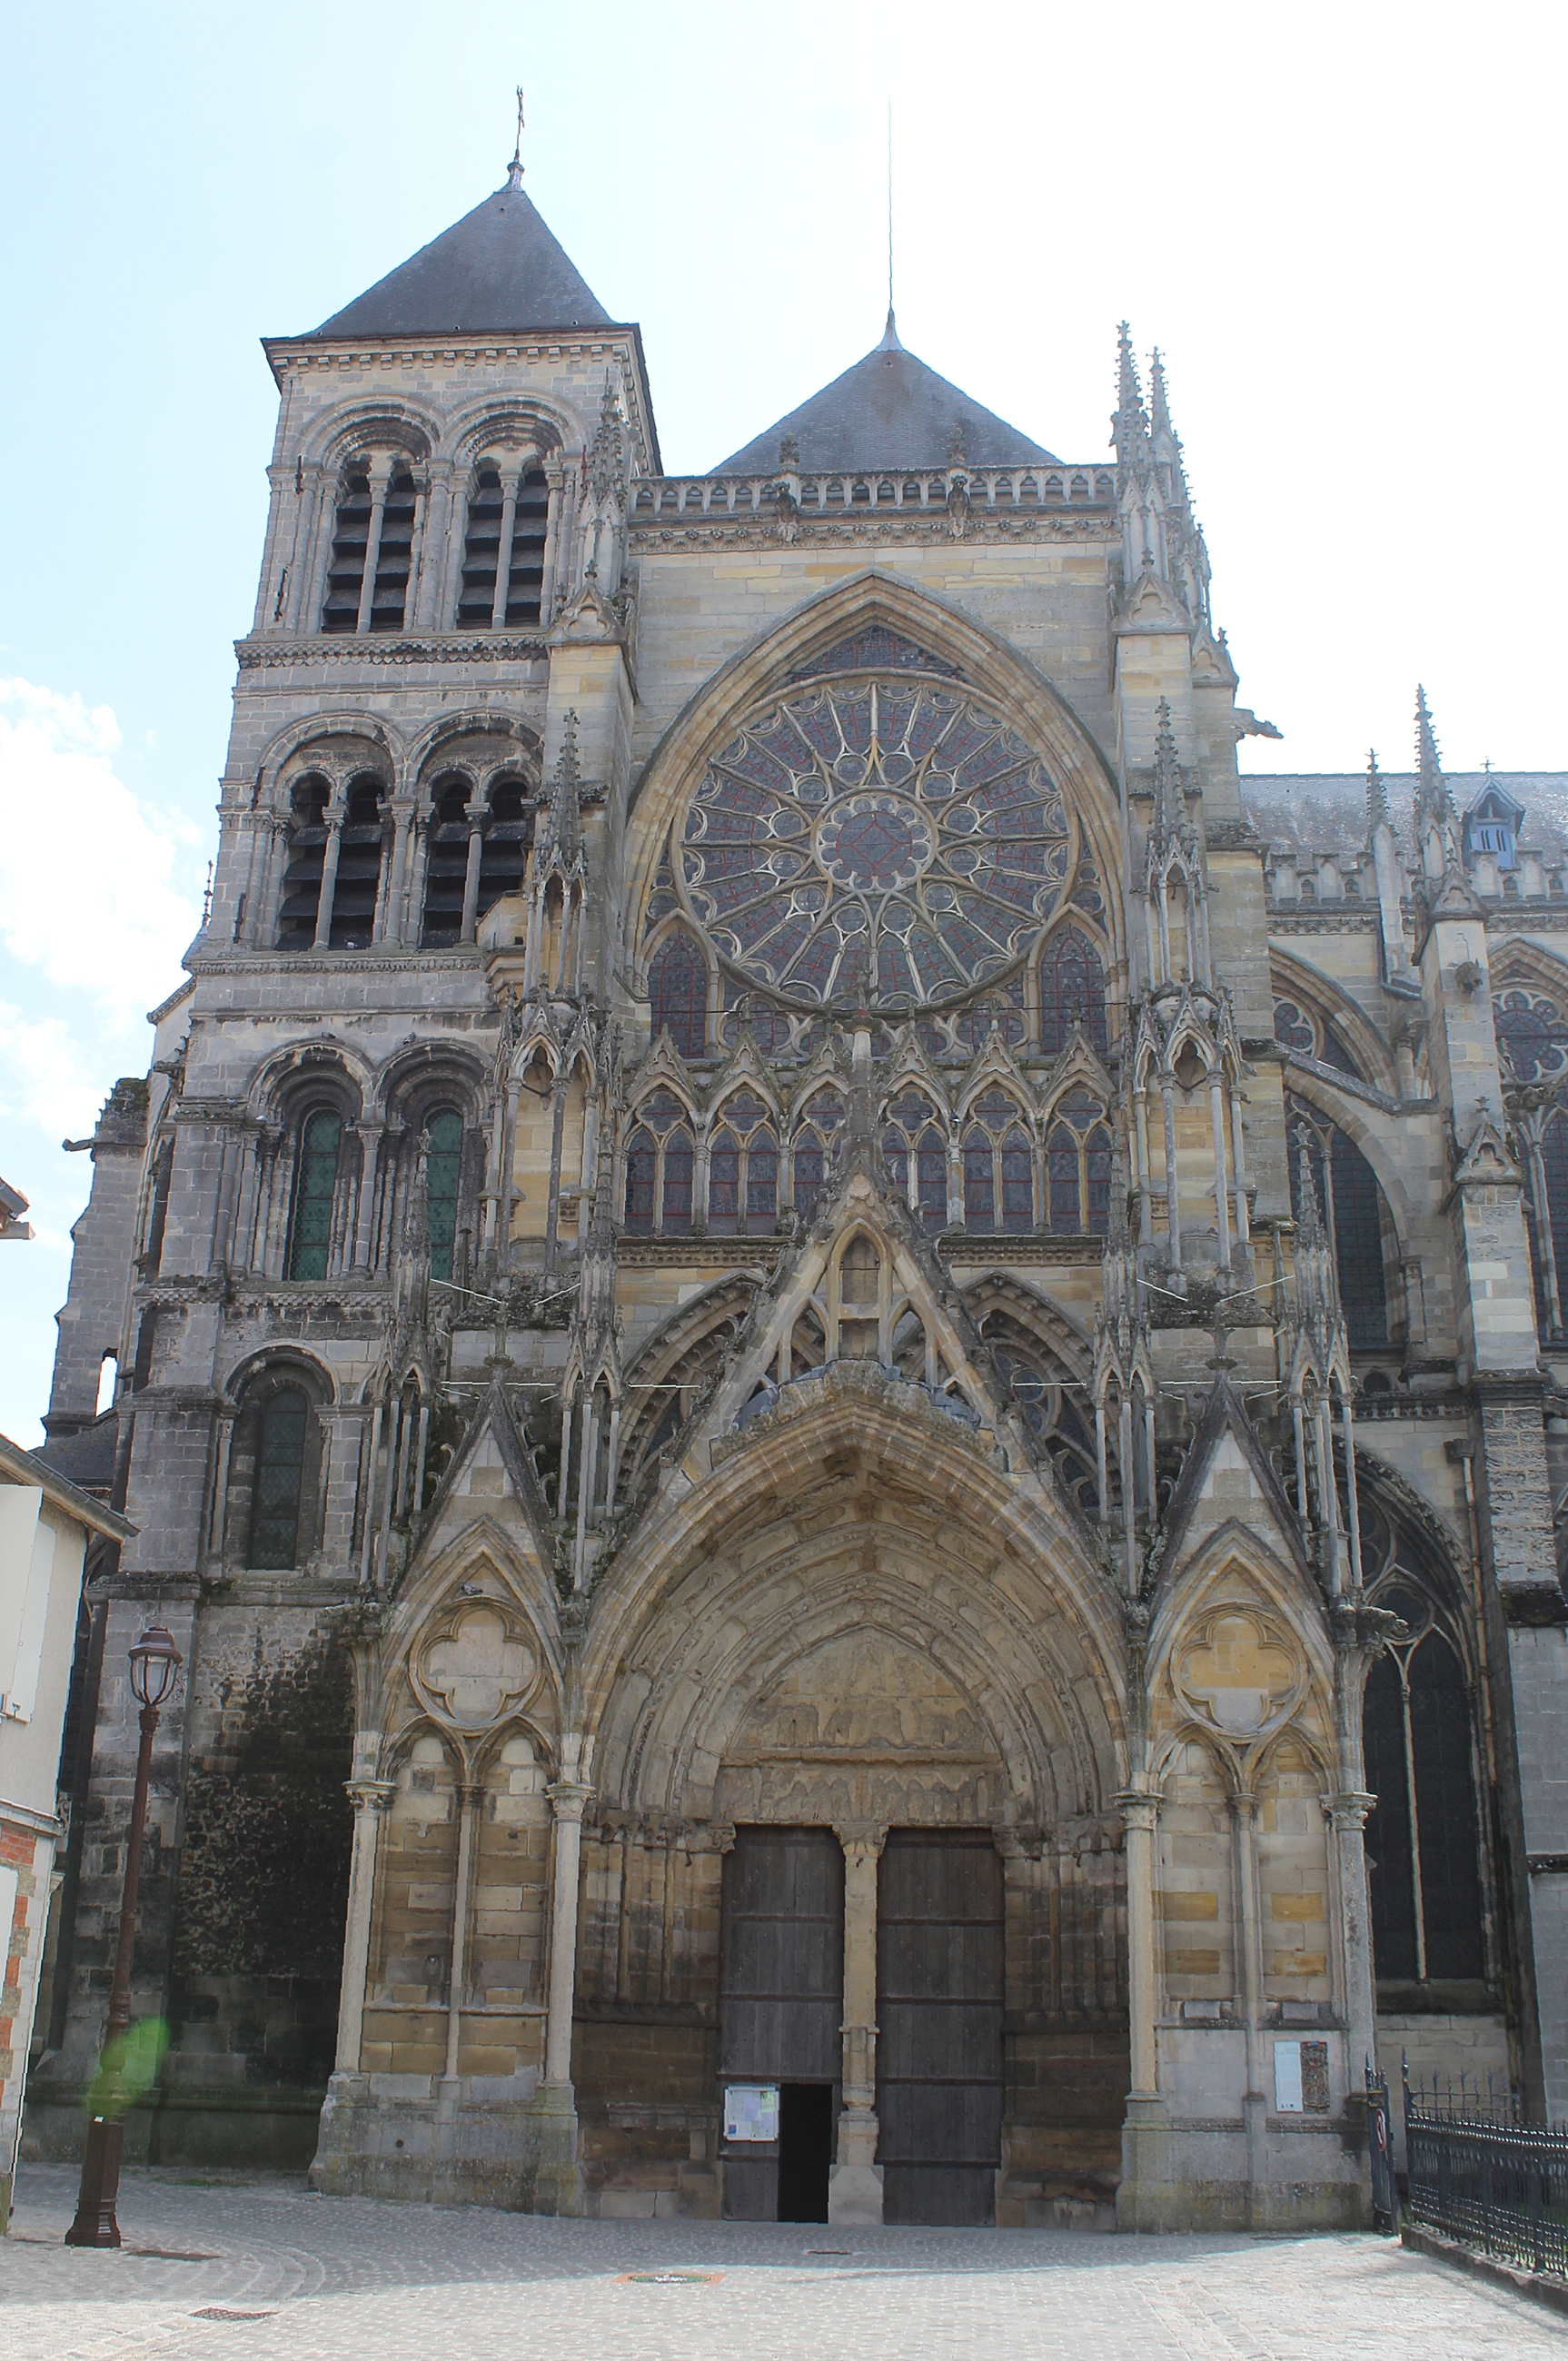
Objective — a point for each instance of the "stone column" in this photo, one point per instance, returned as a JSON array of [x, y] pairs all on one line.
[[503, 554], [469, 1800], [1172, 1184], [370, 1799], [1144, 2199], [378, 483], [471, 879], [392, 917], [1255, 2099], [854, 2184], [329, 880], [432, 544], [1347, 1818], [567, 1799]]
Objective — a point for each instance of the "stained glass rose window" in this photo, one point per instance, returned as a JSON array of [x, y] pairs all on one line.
[[878, 841]]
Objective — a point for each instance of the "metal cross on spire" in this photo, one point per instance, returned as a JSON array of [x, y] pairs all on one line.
[[514, 169]]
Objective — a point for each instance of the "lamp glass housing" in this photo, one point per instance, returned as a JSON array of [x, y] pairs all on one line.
[[155, 1660]]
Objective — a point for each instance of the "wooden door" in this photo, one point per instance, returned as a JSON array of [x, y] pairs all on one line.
[[939, 2003], [781, 1986]]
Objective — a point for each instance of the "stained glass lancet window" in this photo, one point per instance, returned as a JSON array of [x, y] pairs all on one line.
[[442, 1167], [677, 989], [1351, 1204]]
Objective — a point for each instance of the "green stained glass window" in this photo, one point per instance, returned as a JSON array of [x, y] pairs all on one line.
[[443, 1175], [279, 1469], [311, 1235]]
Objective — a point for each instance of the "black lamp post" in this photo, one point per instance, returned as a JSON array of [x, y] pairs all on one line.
[[155, 1660]]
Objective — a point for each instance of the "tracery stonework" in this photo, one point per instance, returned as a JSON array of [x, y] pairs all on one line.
[[840, 1369]]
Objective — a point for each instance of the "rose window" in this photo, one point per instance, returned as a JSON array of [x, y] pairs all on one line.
[[880, 842]]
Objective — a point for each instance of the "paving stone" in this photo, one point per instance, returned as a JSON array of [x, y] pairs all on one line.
[[263, 2270]]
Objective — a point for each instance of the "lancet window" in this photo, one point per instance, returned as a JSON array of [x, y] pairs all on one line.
[[443, 1186], [1072, 991], [743, 1168], [315, 1188], [278, 1481], [998, 1165], [816, 1137], [446, 864], [915, 1150], [509, 832], [1077, 1166], [660, 1167], [1532, 1038], [1352, 1206], [1422, 1839], [677, 989], [356, 881]]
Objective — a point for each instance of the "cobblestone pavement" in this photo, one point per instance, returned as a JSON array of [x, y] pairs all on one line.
[[263, 2270]]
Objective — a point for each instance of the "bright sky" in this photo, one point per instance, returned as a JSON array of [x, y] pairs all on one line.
[[1343, 225]]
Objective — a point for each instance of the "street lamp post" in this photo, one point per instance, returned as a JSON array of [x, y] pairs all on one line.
[[155, 1661]]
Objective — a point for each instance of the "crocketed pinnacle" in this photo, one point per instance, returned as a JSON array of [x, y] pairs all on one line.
[[561, 833], [1167, 808], [1159, 407], [1377, 794], [1427, 760], [1309, 1220]]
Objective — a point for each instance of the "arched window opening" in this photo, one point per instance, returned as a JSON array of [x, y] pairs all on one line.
[[915, 1154], [1554, 1171], [525, 574], [1351, 1204], [999, 1181], [315, 1186], [443, 1183], [812, 1149], [350, 539], [279, 1482], [743, 1170], [299, 902], [677, 990], [394, 556], [658, 1168], [446, 864], [1078, 1168], [1072, 991], [481, 552], [1421, 1838], [508, 835], [357, 889], [108, 1370], [162, 1181], [1531, 1034], [1310, 1036]]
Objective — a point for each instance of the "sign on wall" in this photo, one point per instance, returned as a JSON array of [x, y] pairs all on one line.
[[1301, 2078], [751, 2110]]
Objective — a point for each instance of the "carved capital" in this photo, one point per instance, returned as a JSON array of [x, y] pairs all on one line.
[[568, 1799], [370, 1795]]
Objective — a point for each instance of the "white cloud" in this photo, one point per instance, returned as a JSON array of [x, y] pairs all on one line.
[[46, 1077], [88, 889]]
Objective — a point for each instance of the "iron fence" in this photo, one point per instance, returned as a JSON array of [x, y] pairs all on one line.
[[1478, 2175]]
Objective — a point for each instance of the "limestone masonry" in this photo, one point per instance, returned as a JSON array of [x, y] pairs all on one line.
[[842, 1373]]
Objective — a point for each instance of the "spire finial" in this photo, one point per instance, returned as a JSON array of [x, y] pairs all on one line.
[[1159, 406], [1427, 758], [1167, 810], [1377, 794], [1309, 1220], [514, 169], [890, 210]]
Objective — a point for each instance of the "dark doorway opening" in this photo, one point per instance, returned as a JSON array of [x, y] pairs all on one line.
[[806, 2150], [781, 1999]]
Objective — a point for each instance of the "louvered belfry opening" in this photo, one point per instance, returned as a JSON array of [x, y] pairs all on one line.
[[509, 832], [940, 1927], [481, 552], [781, 1988], [517, 569], [446, 866], [350, 539], [394, 557], [525, 574], [358, 869], [303, 877]]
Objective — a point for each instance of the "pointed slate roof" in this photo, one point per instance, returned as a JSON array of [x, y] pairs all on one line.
[[889, 410], [499, 269]]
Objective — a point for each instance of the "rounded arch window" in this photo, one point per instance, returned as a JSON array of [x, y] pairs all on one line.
[[443, 1183], [876, 839], [279, 1480], [315, 1186]]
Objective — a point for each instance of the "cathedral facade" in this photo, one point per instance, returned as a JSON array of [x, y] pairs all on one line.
[[841, 1373]]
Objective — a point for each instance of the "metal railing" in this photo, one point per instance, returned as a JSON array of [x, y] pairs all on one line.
[[1479, 2176]]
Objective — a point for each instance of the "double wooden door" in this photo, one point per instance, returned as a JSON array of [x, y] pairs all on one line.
[[939, 2014]]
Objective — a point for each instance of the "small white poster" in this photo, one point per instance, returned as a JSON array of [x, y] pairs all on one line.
[[1288, 2077], [751, 2110]]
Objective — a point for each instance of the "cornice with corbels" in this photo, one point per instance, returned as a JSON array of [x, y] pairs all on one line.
[[394, 648], [933, 527]]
